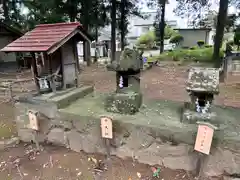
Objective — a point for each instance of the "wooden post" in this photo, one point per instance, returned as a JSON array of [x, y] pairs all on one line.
[[76, 61], [62, 66], [10, 91], [34, 71], [203, 145], [52, 83], [107, 133]]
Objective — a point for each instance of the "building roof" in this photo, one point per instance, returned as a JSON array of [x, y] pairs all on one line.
[[12, 30], [46, 38]]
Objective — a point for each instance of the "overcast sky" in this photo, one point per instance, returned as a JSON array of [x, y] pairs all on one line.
[[182, 23]]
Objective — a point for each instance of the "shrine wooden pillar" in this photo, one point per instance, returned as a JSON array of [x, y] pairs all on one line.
[[74, 44], [52, 83], [34, 71]]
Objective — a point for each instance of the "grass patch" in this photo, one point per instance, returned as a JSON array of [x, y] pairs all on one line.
[[202, 55], [7, 124], [7, 130]]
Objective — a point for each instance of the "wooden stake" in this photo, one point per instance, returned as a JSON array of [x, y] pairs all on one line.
[[10, 91], [107, 133], [34, 138], [107, 143]]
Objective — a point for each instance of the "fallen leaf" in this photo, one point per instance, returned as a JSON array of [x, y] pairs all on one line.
[[94, 160], [139, 175]]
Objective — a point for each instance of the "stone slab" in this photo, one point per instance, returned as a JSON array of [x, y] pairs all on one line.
[[65, 97]]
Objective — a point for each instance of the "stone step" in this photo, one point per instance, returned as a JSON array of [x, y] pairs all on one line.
[[64, 100]]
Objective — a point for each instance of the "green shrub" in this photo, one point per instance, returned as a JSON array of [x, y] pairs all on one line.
[[193, 47], [230, 43], [146, 40], [188, 55], [200, 43], [177, 39], [208, 46]]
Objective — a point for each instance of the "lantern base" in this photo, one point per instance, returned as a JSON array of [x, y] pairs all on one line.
[[124, 103]]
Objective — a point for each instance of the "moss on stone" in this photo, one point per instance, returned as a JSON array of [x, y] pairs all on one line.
[[125, 103]]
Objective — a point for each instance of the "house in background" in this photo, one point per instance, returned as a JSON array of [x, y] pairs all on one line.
[[191, 36], [139, 26], [8, 35]]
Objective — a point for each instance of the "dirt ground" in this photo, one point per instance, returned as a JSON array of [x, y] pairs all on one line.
[[54, 163], [166, 82]]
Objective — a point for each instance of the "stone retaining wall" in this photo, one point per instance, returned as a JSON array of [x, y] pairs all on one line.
[[143, 144]]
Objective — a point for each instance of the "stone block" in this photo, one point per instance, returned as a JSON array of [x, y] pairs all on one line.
[[139, 139], [22, 121], [125, 103], [66, 99], [87, 125], [61, 123], [57, 136], [173, 157], [230, 178], [26, 135], [222, 161], [192, 117], [75, 140], [90, 143], [187, 163]]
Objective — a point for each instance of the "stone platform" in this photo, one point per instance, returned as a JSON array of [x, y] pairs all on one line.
[[154, 135]]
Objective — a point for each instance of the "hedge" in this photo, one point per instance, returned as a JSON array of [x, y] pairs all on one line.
[[191, 55]]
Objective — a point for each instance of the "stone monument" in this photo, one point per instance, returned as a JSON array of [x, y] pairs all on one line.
[[202, 85], [127, 99]]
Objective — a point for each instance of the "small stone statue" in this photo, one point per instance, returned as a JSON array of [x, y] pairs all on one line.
[[127, 99]]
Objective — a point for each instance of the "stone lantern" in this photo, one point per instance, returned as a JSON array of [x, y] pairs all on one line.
[[127, 99], [202, 85]]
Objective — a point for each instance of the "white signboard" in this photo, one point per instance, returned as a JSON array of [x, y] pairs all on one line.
[[106, 127], [33, 121]]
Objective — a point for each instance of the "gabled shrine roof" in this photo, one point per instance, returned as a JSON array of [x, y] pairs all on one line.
[[46, 37]]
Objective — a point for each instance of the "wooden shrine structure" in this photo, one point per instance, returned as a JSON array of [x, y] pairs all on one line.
[[54, 50]]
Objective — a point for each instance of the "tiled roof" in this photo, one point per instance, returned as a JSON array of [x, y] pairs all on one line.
[[43, 37]]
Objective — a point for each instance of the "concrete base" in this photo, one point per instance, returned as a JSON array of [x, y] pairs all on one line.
[[154, 135]]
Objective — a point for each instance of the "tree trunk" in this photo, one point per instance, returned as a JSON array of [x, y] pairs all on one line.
[[221, 21], [5, 11], [162, 24], [96, 41], [122, 24], [113, 31]]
